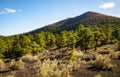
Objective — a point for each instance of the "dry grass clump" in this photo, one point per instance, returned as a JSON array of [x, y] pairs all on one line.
[[42, 56], [103, 63], [52, 69], [2, 64], [105, 51], [29, 58], [75, 65], [115, 55], [55, 68], [118, 54], [79, 54], [98, 75], [16, 65], [8, 76]]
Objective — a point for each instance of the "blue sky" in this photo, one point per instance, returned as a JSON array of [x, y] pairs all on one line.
[[19, 16]]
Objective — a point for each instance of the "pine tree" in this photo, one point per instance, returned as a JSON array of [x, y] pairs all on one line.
[[85, 37]]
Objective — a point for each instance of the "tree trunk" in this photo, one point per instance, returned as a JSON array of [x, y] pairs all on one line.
[[96, 44], [95, 47], [85, 49]]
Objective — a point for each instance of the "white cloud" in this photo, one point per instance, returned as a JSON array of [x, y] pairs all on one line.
[[107, 5], [3, 12], [8, 10]]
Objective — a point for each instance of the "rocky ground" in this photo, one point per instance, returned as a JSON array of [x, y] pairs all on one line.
[[31, 68]]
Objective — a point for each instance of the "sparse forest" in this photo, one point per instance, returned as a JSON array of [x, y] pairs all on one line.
[[50, 54], [83, 38]]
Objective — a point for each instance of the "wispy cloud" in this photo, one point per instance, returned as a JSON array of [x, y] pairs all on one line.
[[9, 10], [3, 12], [107, 5]]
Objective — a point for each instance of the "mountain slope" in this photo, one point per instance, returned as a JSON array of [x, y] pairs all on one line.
[[88, 19]]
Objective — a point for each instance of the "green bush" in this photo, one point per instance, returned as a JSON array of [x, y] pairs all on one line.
[[1, 56], [71, 55]]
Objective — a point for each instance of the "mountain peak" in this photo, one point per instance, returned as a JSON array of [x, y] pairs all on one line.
[[67, 21], [88, 19], [91, 14]]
